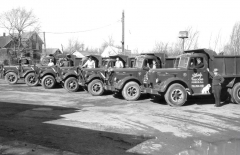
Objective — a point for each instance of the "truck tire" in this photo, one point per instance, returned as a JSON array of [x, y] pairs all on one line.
[[96, 87], [71, 84], [176, 95], [31, 80], [48, 82], [236, 93], [131, 91], [11, 78]]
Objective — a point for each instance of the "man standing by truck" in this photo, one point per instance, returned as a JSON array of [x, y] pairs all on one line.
[[217, 81]]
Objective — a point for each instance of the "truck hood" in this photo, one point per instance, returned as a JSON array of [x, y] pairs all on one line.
[[167, 70], [125, 69]]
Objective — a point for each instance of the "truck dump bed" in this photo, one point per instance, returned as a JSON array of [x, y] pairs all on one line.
[[228, 66]]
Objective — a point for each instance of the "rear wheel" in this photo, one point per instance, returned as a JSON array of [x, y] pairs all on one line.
[[48, 82], [236, 93], [11, 78], [131, 91], [96, 87], [31, 80], [71, 84], [176, 95]]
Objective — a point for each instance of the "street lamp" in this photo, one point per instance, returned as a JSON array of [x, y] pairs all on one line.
[[183, 35]]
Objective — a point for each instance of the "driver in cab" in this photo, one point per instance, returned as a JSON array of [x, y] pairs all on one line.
[[90, 63]]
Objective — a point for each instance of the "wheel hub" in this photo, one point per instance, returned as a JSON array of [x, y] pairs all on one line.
[[96, 87], [132, 91], [177, 95], [72, 85]]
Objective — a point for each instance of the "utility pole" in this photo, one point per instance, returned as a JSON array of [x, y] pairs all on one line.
[[123, 51], [44, 41]]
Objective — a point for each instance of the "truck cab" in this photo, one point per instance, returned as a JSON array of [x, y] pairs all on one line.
[[21, 68], [93, 79], [49, 75], [189, 77], [129, 81]]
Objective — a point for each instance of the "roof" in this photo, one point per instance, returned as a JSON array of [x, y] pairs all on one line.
[[111, 50], [4, 40], [51, 51], [209, 52], [78, 54]]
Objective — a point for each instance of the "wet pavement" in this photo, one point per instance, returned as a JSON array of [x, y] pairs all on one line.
[[83, 124]]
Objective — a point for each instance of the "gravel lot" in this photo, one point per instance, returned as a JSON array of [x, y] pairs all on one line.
[[34, 120]]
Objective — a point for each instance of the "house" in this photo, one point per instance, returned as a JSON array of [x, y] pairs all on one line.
[[51, 52], [31, 44], [78, 54], [111, 50]]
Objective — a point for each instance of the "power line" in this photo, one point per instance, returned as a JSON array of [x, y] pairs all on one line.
[[83, 30]]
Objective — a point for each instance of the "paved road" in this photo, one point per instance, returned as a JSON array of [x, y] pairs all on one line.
[[36, 120]]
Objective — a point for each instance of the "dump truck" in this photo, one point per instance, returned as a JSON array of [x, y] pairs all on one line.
[[129, 81], [188, 79], [48, 75], [21, 68], [91, 79]]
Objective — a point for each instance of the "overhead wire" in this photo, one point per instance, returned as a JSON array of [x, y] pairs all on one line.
[[83, 30]]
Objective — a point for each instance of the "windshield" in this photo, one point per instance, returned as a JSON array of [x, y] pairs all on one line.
[[105, 62], [183, 62], [139, 62]]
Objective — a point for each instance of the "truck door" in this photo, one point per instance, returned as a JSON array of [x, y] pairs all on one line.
[[198, 75]]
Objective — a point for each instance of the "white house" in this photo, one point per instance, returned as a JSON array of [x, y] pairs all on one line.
[[78, 54], [110, 50]]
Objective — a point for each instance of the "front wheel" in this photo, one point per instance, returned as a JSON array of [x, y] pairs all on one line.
[[96, 88], [71, 84], [176, 95], [236, 93], [31, 80], [48, 82], [131, 91], [11, 78]]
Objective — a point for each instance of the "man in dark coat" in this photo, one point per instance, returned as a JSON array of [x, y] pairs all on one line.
[[217, 81], [199, 63]]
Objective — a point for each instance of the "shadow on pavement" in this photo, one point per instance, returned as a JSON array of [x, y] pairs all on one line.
[[25, 122]]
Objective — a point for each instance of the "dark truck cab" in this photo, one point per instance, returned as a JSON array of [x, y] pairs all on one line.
[[129, 81], [22, 68], [93, 79], [175, 84], [49, 75]]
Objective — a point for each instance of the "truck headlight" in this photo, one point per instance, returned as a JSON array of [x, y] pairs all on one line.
[[115, 79], [158, 81]]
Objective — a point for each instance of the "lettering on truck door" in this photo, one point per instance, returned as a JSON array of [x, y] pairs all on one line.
[[198, 76]]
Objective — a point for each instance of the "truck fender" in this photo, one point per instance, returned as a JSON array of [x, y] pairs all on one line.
[[93, 76], [72, 74], [10, 71], [164, 85], [48, 72], [27, 72], [123, 81]]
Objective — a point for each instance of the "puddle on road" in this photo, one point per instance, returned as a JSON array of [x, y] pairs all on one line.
[[230, 147], [42, 109]]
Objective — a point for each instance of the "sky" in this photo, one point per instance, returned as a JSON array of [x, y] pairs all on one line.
[[147, 22]]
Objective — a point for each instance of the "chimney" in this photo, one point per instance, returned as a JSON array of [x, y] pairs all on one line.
[[4, 34]]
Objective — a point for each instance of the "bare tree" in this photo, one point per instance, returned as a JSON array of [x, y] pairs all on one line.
[[160, 47], [74, 45], [109, 42], [17, 21], [192, 41], [235, 38], [233, 47]]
